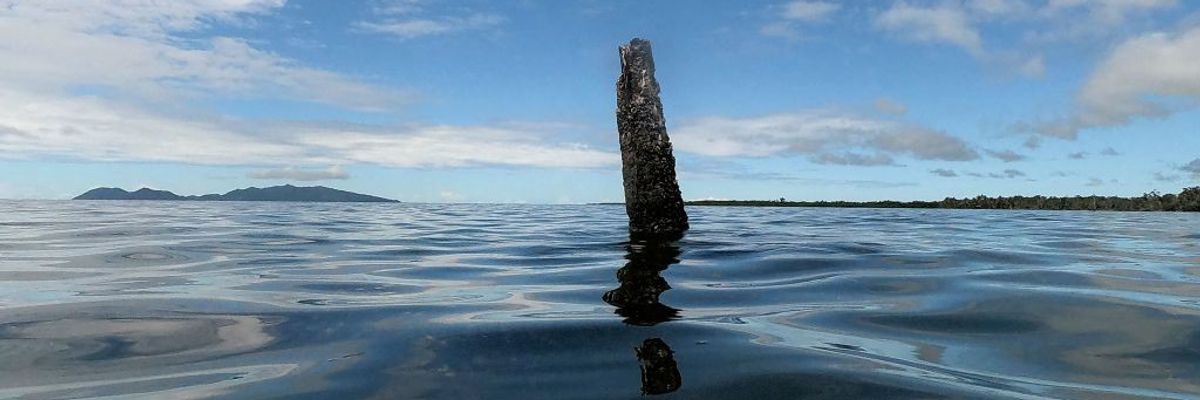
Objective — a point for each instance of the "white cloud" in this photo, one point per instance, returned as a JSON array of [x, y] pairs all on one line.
[[1089, 19], [781, 29], [822, 136], [966, 24], [1033, 67], [1139, 79], [790, 14], [801, 10], [135, 18], [113, 81], [886, 105], [452, 146], [100, 129], [398, 7], [92, 128], [1104, 13], [293, 173], [998, 8], [730, 171], [418, 27], [146, 50], [409, 19], [944, 23]]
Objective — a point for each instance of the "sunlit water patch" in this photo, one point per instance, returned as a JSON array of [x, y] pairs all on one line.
[[275, 300]]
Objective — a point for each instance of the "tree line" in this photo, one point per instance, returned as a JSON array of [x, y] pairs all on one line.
[[1186, 200]]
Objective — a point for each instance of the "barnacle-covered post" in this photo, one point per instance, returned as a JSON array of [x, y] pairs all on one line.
[[652, 198]]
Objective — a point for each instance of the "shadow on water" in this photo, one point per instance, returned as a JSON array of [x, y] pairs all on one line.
[[637, 300]]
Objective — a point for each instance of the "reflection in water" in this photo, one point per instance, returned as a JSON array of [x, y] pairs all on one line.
[[637, 300], [659, 372], [641, 284]]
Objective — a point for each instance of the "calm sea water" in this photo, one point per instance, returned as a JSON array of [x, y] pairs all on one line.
[[270, 300]]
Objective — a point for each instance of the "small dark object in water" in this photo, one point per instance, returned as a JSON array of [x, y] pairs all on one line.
[[652, 198], [659, 372]]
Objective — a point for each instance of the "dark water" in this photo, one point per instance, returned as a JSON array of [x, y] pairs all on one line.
[[261, 300]]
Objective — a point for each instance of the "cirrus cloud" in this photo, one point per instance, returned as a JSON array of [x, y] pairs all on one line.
[[409, 19], [801, 10], [798, 12], [418, 27]]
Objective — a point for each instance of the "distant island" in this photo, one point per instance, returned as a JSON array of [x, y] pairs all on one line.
[[1187, 200], [273, 193]]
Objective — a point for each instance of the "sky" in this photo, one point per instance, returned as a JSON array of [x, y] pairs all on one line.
[[477, 101]]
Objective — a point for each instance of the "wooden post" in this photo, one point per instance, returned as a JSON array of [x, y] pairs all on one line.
[[652, 198]]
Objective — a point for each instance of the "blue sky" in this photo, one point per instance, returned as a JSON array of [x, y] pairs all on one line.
[[473, 101]]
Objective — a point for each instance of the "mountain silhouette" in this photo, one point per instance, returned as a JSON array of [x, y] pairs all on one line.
[[273, 193]]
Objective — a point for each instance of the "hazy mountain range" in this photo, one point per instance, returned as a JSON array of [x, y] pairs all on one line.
[[273, 193]]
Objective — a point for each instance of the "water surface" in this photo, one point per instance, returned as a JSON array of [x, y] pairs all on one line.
[[287, 300]]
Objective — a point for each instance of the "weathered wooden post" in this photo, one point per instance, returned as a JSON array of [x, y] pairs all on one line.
[[652, 198]]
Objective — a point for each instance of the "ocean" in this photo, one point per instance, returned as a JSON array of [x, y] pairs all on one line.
[[144, 299]]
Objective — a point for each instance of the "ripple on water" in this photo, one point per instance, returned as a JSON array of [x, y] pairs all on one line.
[[252, 300], [957, 324], [446, 273], [350, 289], [139, 257]]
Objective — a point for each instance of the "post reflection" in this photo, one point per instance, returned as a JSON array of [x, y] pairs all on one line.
[[659, 372], [642, 283], [637, 300]]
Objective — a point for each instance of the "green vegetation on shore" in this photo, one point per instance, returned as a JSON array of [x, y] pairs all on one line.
[[1186, 200]]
